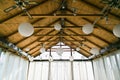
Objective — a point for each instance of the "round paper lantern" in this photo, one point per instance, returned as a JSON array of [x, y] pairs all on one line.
[[87, 28], [77, 49], [57, 27], [26, 29], [42, 50], [116, 30], [94, 51], [59, 51]]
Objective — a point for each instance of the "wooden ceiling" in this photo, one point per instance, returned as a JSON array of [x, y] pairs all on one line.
[[48, 12]]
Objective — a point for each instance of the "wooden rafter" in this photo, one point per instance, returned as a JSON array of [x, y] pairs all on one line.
[[52, 44], [37, 39], [35, 51], [62, 15], [82, 37], [74, 48], [87, 39], [79, 41], [58, 40], [97, 25], [77, 46], [48, 27], [101, 39], [63, 35], [44, 1], [98, 8], [31, 23], [27, 37], [42, 36]]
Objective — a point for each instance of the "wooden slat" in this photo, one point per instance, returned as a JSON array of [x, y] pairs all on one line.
[[83, 37], [65, 27], [61, 15], [18, 13], [78, 51], [62, 40], [63, 35], [42, 36], [54, 43], [98, 8]]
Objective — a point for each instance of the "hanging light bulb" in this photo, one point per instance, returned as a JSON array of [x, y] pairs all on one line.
[[88, 28], [26, 29], [42, 50], [30, 58], [27, 49], [116, 30], [59, 51], [77, 49], [71, 58], [57, 27], [94, 51], [50, 58]]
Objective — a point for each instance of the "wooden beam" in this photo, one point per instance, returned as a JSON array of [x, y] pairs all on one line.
[[65, 27], [34, 47], [81, 47], [46, 34], [74, 48], [35, 52], [62, 40], [98, 8], [31, 23], [48, 40], [27, 37], [101, 38], [79, 42], [46, 48], [88, 40], [98, 25], [63, 35], [37, 39], [41, 37], [17, 30], [82, 37], [61, 15], [53, 44], [39, 45], [51, 37], [6, 19]]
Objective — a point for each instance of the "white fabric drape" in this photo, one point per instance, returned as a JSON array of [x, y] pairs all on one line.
[[13, 67], [108, 67], [60, 71]]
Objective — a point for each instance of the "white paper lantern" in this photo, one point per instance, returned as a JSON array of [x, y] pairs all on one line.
[[57, 27], [77, 49], [42, 50], [88, 28], [26, 29], [116, 30], [94, 51], [59, 51]]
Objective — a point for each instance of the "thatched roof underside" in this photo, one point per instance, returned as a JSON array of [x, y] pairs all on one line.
[[47, 13]]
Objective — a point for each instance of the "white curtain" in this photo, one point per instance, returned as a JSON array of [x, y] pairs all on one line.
[[60, 71], [13, 67], [108, 67]]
